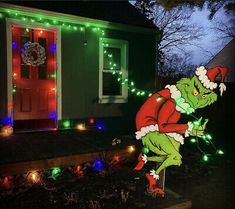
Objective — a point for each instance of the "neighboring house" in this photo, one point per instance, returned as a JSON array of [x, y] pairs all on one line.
[[57, 58], [225, 58]]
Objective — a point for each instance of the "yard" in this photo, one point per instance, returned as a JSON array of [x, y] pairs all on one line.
[[112, 183]]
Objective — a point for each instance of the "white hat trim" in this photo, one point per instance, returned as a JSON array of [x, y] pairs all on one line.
[[201, 73], [183, 107]]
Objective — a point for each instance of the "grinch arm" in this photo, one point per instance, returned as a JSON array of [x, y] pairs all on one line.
[[167, 111]]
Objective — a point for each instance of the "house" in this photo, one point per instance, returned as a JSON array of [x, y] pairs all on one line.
[[225, 57], [59, 62]]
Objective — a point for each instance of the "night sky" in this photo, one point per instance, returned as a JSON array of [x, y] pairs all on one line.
[[210, 40]]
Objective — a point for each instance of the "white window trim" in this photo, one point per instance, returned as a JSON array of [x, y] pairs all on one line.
[[124, 69]]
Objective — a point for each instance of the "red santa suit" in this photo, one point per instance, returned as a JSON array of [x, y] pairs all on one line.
[[161, 112]]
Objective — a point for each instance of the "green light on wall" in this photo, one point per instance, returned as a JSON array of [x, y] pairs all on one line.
[[66, 124]]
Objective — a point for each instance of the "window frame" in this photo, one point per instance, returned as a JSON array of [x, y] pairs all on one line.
[[123, 45]]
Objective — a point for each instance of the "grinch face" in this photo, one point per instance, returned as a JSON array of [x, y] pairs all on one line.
[[195, 93]]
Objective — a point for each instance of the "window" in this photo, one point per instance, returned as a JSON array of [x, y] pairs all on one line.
[[113, 57], [42, 69], [24, 69]]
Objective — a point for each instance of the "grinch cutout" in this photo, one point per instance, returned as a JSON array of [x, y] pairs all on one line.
[[157, 120], [33, 54]]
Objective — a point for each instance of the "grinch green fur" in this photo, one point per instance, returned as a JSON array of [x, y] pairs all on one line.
[[165, 147]]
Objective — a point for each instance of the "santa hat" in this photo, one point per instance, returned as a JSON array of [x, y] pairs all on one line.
[[207, 77]]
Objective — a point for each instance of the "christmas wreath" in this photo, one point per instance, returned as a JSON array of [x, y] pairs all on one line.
[[33, 54]]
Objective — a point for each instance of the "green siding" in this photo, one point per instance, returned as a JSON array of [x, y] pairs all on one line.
[[80, 71]]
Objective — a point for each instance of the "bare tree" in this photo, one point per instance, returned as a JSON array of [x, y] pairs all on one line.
[[177, 66], [225, 29], [177, 32], [213, 5]]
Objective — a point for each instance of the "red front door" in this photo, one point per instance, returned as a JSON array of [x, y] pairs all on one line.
[[34, 78]]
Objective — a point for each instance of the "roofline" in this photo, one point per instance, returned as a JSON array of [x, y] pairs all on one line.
[[220, 51], [74, 19]]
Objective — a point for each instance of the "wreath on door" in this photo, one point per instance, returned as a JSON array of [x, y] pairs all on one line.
[[33, 54]]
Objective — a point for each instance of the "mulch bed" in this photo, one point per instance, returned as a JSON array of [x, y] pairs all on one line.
[[115, 187]]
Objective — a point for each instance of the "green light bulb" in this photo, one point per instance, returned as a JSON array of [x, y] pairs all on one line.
[[132, 90], [132, 83], [196, 123], [193, 140], [66, 124], [159, 99], [145, 150], [150, 94], [208, 136], [205, 158], [220, 152]]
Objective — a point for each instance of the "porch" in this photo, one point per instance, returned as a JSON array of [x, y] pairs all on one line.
[[24, 152]]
